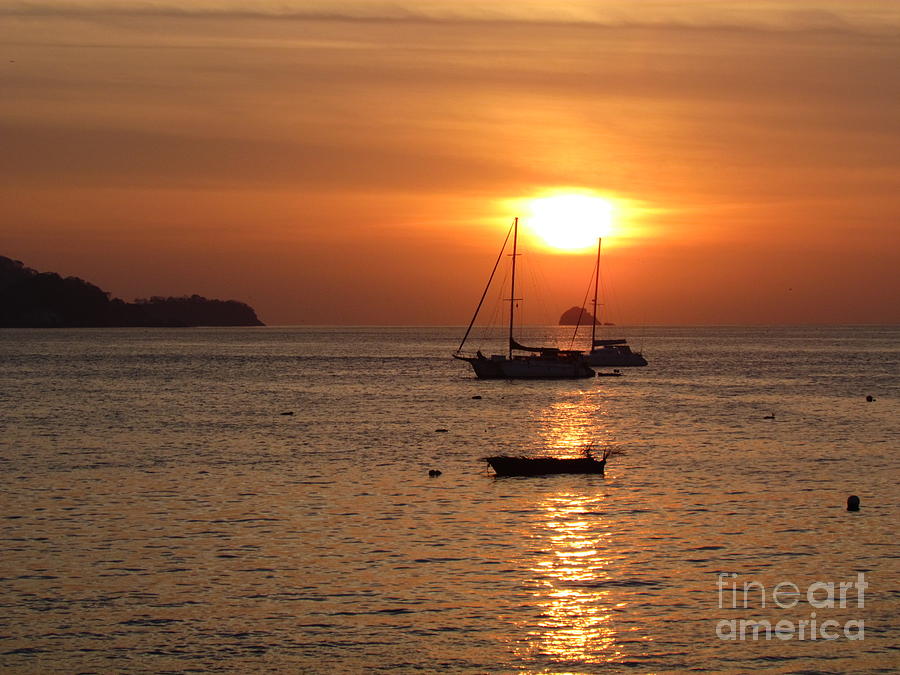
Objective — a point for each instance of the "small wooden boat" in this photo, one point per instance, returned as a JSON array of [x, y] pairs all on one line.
[[505, 465], [538, 466]]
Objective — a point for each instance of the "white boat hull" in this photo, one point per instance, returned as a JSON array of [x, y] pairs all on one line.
[[615, 357], [528, 368]]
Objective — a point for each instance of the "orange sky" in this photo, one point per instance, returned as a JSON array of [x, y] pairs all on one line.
[[354, 162]]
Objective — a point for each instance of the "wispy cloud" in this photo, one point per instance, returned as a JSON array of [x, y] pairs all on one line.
[[863, 16]]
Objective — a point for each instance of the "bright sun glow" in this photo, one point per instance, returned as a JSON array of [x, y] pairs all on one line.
[[570, 221]]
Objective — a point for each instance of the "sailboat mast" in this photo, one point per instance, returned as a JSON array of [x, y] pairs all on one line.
[[596, 293], [512, 288]]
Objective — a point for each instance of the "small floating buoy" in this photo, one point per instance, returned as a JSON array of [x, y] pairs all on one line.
[[440, 431], [289, 412], [477, 398], [434, 473], [870, 398], [769, 417], [853, 503]]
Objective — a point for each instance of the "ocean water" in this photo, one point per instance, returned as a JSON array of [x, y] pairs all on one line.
[[161, 514]]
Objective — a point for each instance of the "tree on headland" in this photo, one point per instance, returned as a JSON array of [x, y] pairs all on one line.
[[195, 310], [32, 299]]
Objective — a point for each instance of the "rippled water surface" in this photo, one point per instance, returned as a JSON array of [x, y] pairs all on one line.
[[160, 513]]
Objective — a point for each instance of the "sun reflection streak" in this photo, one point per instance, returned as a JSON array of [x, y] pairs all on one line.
[[575, 622], [573, 580], [568, 426]]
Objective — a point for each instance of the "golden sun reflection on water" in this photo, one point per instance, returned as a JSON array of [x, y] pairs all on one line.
[[575, 622], [576, 606], [567, 426]]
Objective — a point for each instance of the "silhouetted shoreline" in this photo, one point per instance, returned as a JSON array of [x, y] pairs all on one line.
[[32, 299]]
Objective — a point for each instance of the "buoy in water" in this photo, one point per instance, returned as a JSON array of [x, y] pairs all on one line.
[[434, 473], [853, 503], [870, 398], [769, 417]]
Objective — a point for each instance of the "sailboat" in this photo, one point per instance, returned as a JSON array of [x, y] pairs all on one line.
[[521, 362], [606, 352]]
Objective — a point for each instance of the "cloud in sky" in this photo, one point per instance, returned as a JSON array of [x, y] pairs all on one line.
[[875, 16]]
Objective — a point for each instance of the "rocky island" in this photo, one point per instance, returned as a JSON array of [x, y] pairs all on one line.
[[579, 316], [32, 299]]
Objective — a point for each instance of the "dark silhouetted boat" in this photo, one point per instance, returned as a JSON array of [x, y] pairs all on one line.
[[505, 465], [608, 353], [538, 466], [521, 362]]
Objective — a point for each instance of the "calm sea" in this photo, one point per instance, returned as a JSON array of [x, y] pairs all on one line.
[[161, 513]]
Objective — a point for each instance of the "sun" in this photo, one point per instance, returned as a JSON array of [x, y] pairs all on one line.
[[570, 221]]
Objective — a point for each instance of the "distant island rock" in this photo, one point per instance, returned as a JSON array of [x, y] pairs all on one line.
[[579, 316], [32, 299]]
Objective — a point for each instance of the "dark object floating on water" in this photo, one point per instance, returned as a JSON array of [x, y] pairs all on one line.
[[614, 373], [440, 431], [769, 417], [603, 352], [870, 398], [614, 353], [289, 412], [434, 473], [538, 466], [853, 503], [505, 465], [476, 398], [521, 362]]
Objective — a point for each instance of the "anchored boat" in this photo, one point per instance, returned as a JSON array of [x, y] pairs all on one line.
[[608, 353], [521, 362], [505, 465]]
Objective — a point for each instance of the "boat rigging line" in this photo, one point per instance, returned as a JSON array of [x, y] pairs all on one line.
[[484, 294]]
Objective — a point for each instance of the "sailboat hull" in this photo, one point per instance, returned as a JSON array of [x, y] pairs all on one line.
[[528, 368], [618, 356]]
